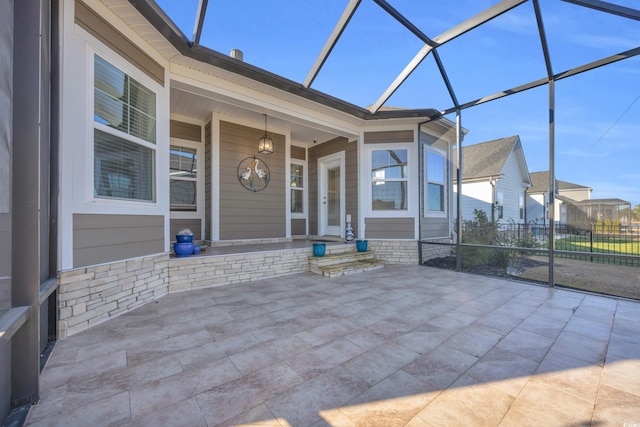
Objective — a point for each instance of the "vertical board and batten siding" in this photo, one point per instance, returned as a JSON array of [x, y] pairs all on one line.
[[193, 224], [389, 228], [351, 177], [434, 226], [246, 214], [207, 182], [99, 239], [116, 41], [182, 130]]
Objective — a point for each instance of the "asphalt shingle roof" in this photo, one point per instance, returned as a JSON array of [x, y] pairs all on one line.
[[540, 183], [487, 158]]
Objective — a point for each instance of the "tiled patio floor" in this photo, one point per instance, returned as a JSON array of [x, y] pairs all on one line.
[[410, 346]]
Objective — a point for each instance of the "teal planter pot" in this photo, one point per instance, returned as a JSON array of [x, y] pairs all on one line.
[[319, 249], [362, 245]]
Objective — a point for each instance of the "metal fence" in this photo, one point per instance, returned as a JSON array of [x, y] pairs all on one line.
[[595, 239]]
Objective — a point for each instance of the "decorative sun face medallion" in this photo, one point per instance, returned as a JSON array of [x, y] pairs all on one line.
[[253, 174]]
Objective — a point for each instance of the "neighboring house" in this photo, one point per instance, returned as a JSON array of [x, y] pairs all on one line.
[[494, 179], [567, 211]]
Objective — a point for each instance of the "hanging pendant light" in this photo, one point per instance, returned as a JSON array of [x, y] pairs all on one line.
[[265, 146]]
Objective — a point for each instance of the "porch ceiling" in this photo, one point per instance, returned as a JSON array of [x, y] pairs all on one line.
[[192, 105]]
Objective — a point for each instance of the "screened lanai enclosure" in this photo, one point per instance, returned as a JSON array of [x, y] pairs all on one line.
[[514, 126], [560, 75]]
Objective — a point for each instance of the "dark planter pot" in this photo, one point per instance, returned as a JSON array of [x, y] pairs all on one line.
[[319, 249], [362, 245]]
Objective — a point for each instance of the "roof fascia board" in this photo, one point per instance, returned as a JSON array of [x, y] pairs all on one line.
[[522, 160]]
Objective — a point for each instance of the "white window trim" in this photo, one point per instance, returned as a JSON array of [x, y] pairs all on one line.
[[435, 214], [412, 181], [305, 190], [200, 183], [91, 125]]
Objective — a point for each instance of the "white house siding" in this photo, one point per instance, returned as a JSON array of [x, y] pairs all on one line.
[[512, 186], [475, 195], [535, 208]]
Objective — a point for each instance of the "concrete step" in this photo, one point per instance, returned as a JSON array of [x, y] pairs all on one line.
[[350, 267], [341, 257], [344, 261]]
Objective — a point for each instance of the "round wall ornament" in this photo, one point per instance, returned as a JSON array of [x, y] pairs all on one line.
[[253, 174]]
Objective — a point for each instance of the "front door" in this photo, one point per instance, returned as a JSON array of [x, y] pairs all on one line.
[[331, 195]]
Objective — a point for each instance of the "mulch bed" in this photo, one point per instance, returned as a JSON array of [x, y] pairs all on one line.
[[608, 279]]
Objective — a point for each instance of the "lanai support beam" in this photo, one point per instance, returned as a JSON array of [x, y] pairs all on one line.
[[197, 26], [604, 6], [331, 41], [447, 36]]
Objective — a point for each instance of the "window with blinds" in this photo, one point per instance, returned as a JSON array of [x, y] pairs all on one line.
[[389, 180], [124, 135]]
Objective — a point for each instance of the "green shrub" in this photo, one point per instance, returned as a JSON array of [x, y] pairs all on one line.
[[479, 231]]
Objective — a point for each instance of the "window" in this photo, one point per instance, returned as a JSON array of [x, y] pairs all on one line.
[[124, 134], [436, 180], [389, 179], [183, 178], [297, 188], [521, 204]]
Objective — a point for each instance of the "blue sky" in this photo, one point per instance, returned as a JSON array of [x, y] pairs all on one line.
[[597, 113]]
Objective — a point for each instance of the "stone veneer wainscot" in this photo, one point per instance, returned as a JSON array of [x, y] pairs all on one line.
[[91, 295]]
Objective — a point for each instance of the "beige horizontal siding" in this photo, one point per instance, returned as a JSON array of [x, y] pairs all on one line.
[[298, 227], [193, 224], [246, 214], [298, 153], [186, 131], [99, 239], [107, 34], [387, 137], [389, 228], [351, 177]]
